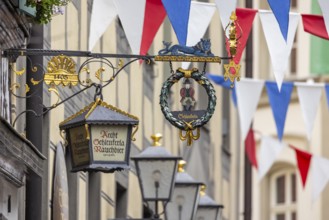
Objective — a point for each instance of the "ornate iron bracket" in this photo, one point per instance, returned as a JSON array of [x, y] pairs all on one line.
[[61, 70]]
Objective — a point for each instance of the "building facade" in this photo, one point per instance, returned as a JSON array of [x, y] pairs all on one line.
[[217, 158]]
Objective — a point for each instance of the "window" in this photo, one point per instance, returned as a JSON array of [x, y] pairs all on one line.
[[283, 195], [293, 55]]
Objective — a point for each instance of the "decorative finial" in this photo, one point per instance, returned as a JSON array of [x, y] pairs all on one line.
[[203, 190], [233, 16], [181, 165], [156, 139]]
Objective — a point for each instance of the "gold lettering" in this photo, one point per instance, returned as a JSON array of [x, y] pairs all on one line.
[[190, 116]]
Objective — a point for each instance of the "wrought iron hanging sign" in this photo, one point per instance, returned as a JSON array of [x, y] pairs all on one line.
[[188, 120], [61, 71]]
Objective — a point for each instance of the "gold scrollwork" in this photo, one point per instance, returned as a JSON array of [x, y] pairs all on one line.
[[62, 133], [35, 82], [27, 88], [121, 63], [99, 73], [189, 136], [54, 90], [87, 71], [34, 69], [17, 72], [87, 132], [14, 86], [134, 133]]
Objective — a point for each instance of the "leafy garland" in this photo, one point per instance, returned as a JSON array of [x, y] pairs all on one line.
[[45, 9], [164, 96]]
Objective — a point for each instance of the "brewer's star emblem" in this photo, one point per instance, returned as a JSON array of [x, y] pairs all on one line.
[[232, 72]]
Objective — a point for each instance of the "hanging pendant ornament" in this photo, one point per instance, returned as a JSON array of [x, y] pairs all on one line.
[[232, 70], [188, 120]]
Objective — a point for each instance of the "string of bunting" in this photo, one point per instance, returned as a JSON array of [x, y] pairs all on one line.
[[309, 95], [188, 20]]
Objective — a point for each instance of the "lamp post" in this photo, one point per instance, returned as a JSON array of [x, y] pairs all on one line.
[[208, 209], [185, 196], [156, 170]]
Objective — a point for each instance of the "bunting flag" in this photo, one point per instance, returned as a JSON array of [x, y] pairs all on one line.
[[200, 17], [245, 19], [219, 80], [320, 175], [279, 103], [309, 98], [314, 24], [250, 145], [281, 12], [61, 193], [178, 13], [154, 16], [102, 14], [131, 14], [279, 49], [327, 93], [269, 151], [225, 8], [248, 92], [303, 162], [324, 5]]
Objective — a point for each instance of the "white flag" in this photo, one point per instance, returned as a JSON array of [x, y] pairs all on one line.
[[200, 17], [309, 98], [324, 5], [278, 48], [269, 151], [225, 8], [320, 175], [102, 14], [131, 14], [248, 92]]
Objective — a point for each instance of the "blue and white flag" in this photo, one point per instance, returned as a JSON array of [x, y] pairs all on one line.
[[279, 103], [178, 13]]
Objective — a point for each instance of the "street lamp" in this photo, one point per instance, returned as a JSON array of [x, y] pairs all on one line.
[[208, 209], [185, 196], [156, 170]]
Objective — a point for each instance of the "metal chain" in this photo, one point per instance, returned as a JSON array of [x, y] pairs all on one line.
[[171, 68], [204, 68]]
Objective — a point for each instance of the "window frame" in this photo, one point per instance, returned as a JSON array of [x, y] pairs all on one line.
[[289, 206]]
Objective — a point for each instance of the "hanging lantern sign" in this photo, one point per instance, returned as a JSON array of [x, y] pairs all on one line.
[[99, 137]]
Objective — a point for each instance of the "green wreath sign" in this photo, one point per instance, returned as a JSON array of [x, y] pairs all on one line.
[[204, 82]]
